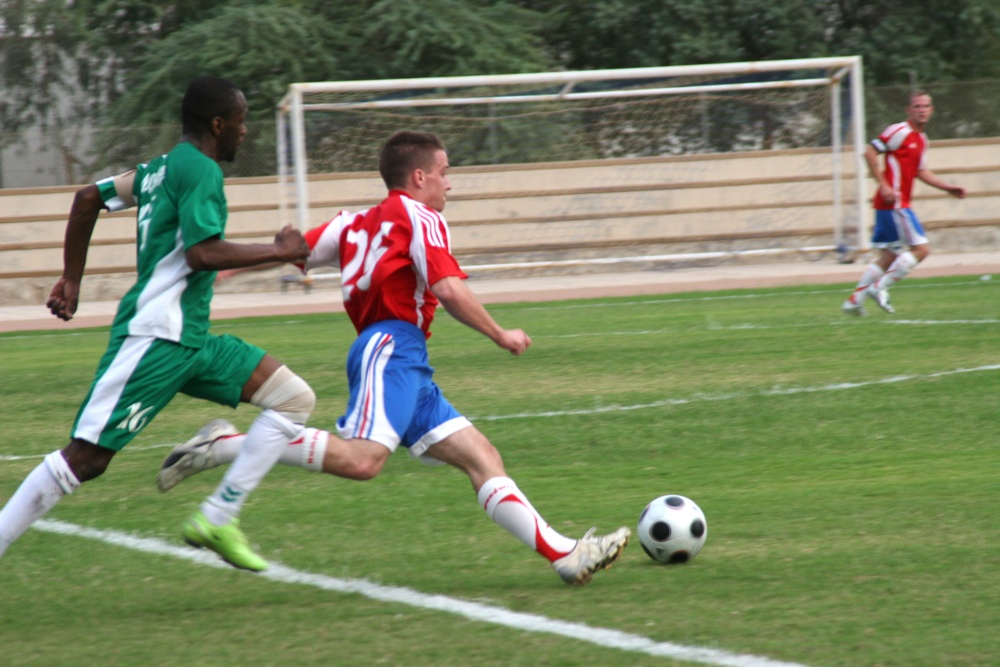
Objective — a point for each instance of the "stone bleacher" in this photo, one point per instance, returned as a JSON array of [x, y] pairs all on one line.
[[547, 212]]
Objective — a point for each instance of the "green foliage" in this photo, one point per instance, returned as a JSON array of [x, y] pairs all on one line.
[[935, 40], [650, 33], [124, 64], [421, 38], [38, 45], [258, 47], [255, 46]]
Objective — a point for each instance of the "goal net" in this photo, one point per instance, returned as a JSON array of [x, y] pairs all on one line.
[[559, 117]]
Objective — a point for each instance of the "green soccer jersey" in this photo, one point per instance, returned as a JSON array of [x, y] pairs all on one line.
[[181, 203]]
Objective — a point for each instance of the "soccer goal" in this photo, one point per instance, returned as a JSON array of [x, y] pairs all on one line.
[[808, 107]]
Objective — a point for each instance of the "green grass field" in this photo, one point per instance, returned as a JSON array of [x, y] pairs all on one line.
[[847, 467]]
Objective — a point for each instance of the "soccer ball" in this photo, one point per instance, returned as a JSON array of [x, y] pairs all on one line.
[[672, 529]]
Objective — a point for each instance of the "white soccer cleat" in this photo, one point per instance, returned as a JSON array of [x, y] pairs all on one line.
[[591, 553], [851, 308], [881, 297], [194, 456]]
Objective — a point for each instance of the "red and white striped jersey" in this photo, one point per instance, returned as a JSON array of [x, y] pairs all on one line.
[[389, 256], [904, 150]]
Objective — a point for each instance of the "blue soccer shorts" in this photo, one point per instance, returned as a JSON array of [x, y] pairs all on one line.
[[393, 397], [896, 229]]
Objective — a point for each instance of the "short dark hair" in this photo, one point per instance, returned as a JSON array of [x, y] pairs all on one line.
[[405, 151], [208, 98]]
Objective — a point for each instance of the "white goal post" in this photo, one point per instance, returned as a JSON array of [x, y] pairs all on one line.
[[815, 103]]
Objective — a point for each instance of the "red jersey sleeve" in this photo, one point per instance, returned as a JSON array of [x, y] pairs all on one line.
[[431, 249], [324, 243]]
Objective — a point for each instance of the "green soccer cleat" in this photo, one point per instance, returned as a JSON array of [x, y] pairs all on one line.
[[228, 541]]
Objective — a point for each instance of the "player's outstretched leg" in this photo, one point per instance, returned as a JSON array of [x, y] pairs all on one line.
[[592, 553], [881, 297], [851, 307], [193, 456], [855, 304]]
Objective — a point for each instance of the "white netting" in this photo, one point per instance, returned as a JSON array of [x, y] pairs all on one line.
[[338, 127], [543, 122]]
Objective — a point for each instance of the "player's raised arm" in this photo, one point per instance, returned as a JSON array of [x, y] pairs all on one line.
[[462, 304], [215, 254]]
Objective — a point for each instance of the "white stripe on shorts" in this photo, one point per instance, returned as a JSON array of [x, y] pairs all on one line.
[[367, 417], [109, 388], [905, 225]]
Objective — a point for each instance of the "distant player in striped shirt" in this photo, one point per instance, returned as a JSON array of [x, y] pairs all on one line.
[[396, 266], [898, 233]]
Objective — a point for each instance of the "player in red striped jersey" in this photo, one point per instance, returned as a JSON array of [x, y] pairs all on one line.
[[396, 267], [898, 233]]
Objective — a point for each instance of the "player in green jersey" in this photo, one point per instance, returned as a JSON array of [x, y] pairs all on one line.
[[160, 343]]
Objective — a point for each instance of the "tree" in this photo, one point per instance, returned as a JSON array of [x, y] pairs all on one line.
[[652, 33], [62, 60], [929, 40], [125, 63], [67, 64], [424, 38], [62, 64], [259, 47]]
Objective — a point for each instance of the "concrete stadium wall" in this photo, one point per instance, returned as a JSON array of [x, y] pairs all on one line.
[[546, 212]]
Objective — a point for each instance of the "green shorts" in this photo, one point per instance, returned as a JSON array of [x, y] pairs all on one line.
[[139, 375]]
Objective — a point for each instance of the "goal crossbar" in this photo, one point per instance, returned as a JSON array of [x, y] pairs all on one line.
[[644, 82], [844, 64]]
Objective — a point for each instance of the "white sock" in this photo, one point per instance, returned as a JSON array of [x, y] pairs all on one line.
[[305, 451], [871, 274], [263, 445], [898, 270], [39, 492], [509, 508]]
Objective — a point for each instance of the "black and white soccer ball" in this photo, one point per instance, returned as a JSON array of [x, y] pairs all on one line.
[[672, 529]]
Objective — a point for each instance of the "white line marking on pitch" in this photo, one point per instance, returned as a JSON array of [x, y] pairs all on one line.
[[787, 391], [724, 297], [42, 456], [475, 611]]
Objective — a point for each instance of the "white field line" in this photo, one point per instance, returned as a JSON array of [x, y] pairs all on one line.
[[604, 409], [475, 611], [712, 326], [936, 322], [730, 297], [131, 449], [838, 321], [781, 391]]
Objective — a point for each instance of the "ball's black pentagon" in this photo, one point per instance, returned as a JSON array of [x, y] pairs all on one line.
[[678, 557], [697, 528], [648, 552], [644, 510], [674, 501], [660, 531]]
